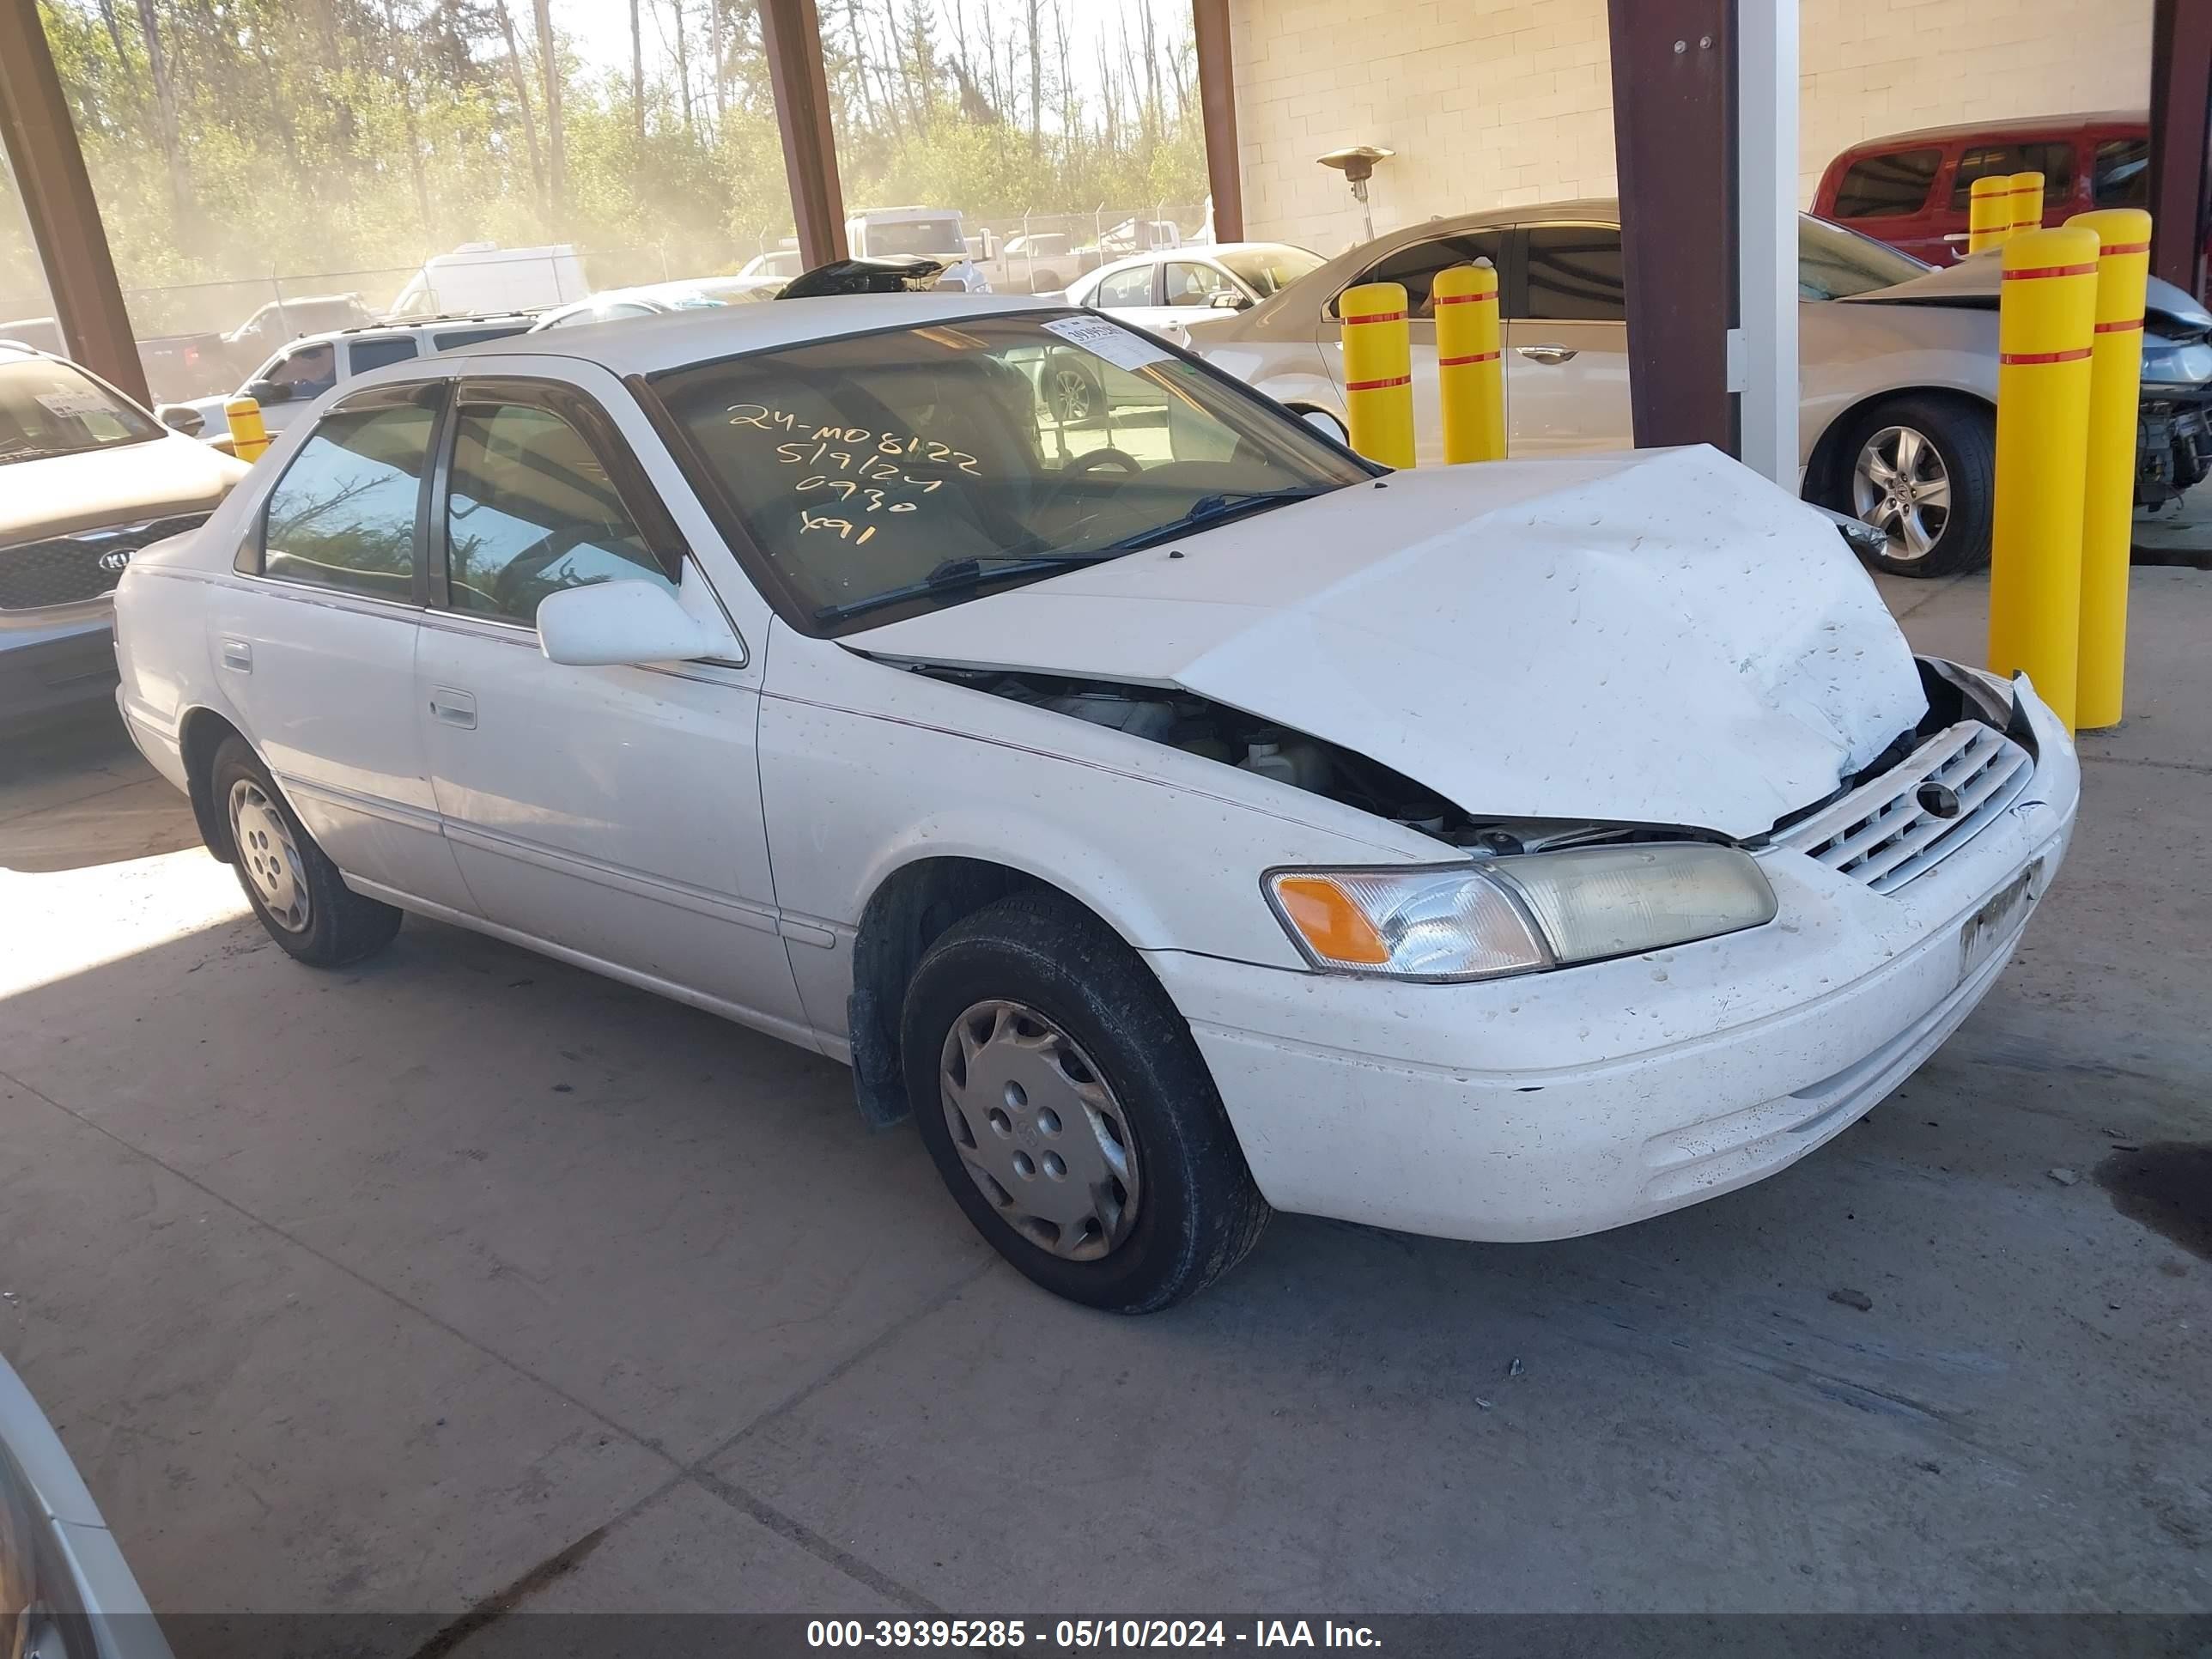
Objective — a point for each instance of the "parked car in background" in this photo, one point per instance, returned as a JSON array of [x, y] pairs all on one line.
[[705, 293], [282, 321], [175, 365], [87, 479], [1898, 364], [1911, 189], [481, 277], [1039, 262], [65, 1591], [932, 233], [1172, 291], [1175, 826], [302, 371], [778, 266]]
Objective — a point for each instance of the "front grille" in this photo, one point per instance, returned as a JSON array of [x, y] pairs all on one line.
[[65, 569], [1882, 834]]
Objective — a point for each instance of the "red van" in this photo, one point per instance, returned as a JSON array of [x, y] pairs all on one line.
[[1910, 189]]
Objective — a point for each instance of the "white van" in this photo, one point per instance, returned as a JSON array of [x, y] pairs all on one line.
[[483, 276], [933, 233]]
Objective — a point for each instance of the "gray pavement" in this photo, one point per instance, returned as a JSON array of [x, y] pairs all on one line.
[[465, 1281]]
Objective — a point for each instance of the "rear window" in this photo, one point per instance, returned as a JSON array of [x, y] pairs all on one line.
[[2122, 178], [1887, 187], [2055, 161]]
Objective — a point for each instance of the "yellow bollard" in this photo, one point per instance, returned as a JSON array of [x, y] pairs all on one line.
[[2027, 194], [2046, 321], [1378, 372], [2109, 496], [1470, 374], [249, 435], [1989, 213]]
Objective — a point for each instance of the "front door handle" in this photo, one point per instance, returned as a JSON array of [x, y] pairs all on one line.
[[455, 707], [237, 654], [1552, 355]]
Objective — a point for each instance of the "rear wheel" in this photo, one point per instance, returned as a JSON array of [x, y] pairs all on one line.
[[1073, 393], [1069, 1111], [292, 887], [1922, 470]]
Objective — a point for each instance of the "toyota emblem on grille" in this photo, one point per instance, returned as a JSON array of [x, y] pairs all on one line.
[[1938, 799], [116, 560]]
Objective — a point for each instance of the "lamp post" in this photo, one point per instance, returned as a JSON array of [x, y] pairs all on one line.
[[1356, 163]]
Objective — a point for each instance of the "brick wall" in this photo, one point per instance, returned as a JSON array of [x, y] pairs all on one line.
[[1489, 103]]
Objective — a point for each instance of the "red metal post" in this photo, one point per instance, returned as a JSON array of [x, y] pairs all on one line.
[[790, 37], [1217, 103], [2180, 132]]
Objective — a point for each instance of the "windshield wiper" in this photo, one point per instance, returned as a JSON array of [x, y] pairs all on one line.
[[1218, 509], [955, 575]]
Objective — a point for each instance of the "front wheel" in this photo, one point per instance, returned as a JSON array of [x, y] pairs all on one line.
[[1069, 1111], [1922, 470], [1075, 397]]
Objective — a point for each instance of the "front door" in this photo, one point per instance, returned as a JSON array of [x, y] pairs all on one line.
[[612, 813], [1567, 342]]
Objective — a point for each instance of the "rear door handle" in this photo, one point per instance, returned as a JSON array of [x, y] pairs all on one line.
[[1552, 355], [455, 707], [238, 655]]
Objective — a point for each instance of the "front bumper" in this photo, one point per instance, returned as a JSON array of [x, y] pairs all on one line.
[[55, 661], [1554, 1104]]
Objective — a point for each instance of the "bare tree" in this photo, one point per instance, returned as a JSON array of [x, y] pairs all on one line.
[[637, 69], [396, 49], [165, 109], [521, 85], [1037, 76], [548, 64]]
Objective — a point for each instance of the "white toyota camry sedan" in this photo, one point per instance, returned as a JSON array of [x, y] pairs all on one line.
[[1178, 816]]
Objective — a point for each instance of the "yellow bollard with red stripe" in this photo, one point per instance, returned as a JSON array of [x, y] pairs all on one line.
[[2109, 493], [2046, 321], [2026, 193], [1470, 372], [1378, 372], [249, 434], [1989, 213]]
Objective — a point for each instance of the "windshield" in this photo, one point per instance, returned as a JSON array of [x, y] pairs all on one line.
[[865, 465], [1834, 263], [938, 238], [1264, 270], [49, 408]]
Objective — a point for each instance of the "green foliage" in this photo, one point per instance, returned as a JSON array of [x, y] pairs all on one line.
[[337, 142]]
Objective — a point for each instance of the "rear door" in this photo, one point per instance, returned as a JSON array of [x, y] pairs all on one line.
[[1891, 196], [1566, 341]]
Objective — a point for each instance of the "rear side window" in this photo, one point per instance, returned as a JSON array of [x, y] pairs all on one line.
[[1574, 274], [1417, 263], [1125, 289], [531, 511], [375, 353], [461, 337], [2122, 178], [1887, 187], [2055, 161], [342, 516]]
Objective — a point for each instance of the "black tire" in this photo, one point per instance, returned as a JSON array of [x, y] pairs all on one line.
[[1198, 1212], [1963, 435], [339, 926], [1073, 392]]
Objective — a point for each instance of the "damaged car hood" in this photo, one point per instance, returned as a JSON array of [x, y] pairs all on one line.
[[1659, 637]]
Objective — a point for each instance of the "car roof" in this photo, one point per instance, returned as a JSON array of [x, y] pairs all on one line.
[[673, 339], [2015, 126], [521, 320]]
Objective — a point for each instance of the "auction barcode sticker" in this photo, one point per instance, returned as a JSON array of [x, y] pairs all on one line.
[[1116, 344]]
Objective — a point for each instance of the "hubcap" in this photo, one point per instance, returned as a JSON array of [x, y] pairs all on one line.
[[1901, 487], [1074, 388], [1040, 1134], [268, 855]]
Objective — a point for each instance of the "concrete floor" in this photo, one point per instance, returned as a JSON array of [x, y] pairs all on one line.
[[465, 1280]]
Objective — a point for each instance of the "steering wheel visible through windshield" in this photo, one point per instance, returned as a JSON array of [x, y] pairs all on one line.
[[917, 466]]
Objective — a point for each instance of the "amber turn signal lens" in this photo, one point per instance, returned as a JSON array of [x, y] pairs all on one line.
[[1327, 919]]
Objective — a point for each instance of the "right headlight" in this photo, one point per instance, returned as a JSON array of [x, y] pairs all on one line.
[[1519, 914]]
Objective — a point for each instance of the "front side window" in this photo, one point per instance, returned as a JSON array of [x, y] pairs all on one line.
[[1887, 187], [2055, 161], [307, 373], [342, 516], [1189, 284], [49, 408], [530, 511], [908, 465], [1417, 263], [1125, 289], [1834, 263], [1574, 274]]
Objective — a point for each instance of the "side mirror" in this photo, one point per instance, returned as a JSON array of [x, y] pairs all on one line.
[[181, 417], [624, 623], [268, 392], [1229, 300]]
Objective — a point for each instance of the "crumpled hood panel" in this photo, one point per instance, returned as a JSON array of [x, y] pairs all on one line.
[[1658, 637]]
